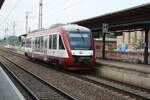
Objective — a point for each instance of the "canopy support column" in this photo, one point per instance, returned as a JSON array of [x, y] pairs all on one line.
[[147, 27]]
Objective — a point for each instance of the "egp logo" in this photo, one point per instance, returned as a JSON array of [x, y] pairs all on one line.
[[81, 52]]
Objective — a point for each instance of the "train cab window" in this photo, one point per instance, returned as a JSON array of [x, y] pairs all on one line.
[[80, 40], [50, 41], [55, 41], [61, 45]]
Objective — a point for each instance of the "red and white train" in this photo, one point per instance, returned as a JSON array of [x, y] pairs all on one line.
[[69, 45]]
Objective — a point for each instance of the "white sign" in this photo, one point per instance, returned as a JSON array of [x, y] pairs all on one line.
[[105, 27]]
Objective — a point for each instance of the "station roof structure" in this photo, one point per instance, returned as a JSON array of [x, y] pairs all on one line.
[[1, 3], [135, 17]]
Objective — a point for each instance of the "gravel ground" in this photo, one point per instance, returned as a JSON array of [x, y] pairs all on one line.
[[76, 87]]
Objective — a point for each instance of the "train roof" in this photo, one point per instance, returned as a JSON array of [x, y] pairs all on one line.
[[74, 27], [66, 27]]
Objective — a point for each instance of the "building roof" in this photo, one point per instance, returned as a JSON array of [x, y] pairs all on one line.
[[1, 3], [135, 17]]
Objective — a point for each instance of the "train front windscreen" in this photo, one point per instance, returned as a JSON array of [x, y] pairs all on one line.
[[80, 40]]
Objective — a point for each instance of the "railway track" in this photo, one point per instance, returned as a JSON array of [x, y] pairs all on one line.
[[122, 88], [37, 88], [28, 94]]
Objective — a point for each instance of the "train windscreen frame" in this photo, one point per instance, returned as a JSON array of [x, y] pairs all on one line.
[[80, 40]]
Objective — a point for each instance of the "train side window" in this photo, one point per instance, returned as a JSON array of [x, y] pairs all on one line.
[[50, 41], [55, 41], [30, 42], [27, 42], [61, 45], [40, 44], [33, 43], [36, 44], [45, 43]]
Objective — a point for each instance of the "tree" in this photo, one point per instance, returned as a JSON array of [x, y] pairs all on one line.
[[13, 40]]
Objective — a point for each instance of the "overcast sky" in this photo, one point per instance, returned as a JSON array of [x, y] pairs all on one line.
[[56, 11]]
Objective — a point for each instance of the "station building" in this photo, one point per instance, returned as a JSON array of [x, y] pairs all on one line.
[[133, 40]]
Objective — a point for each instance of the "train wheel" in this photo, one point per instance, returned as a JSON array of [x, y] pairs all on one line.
[[56, 64]]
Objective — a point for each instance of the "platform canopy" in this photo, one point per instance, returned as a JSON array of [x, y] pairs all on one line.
[[132, 18], [1, 3], [135, 17]]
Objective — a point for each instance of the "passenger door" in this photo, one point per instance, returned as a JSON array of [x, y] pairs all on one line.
[[45, 47], [54, 44]]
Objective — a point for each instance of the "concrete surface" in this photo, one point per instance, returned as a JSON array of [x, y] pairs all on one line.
[[135, 74], [8, 90]]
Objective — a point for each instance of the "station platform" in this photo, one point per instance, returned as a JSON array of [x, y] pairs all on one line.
[[8, 90], [124, 65], [135, 74]]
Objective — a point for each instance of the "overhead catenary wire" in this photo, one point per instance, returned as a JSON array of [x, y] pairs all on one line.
[[62, 9], [54, 5], [10, 12], [63, 4]]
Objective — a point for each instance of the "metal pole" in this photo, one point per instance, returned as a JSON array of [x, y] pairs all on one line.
[[14, 33], [27, 19], [7, 32], [14, 25], [104, 30], [27, 22], [103, 50], [40, 14], [147, 27]]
